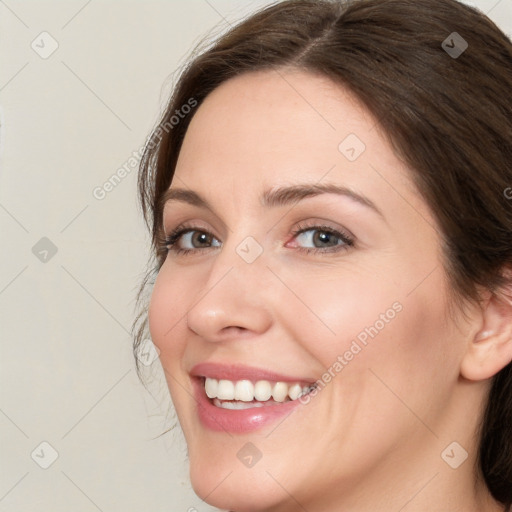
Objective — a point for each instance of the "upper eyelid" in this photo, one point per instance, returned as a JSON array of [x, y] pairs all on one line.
[[169, 214], [320, 224], [343, 234], [185, 226], [185, 229], [180, 231]]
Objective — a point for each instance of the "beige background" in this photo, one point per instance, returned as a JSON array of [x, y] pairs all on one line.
[[68, 122]]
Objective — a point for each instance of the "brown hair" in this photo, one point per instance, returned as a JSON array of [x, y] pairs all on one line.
[[448, 116]]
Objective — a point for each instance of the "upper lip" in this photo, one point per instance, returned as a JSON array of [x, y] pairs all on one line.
[[237, 372]]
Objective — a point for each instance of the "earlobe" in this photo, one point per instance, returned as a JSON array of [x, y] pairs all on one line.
[[490, 350]]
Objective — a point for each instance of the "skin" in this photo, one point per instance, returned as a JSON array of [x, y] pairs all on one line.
[[372, 438]]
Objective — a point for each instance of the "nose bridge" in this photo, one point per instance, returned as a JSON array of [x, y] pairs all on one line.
[[233, 294], [241, 257]]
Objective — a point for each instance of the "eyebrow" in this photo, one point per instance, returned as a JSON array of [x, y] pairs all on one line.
[[277, 196]]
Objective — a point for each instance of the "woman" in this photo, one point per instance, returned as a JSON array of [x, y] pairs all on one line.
[[327, 196]]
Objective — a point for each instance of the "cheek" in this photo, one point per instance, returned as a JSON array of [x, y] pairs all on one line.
[[334, 309], [392, 352], [167, 325], [361, 328], [401, 355], [166, 314]]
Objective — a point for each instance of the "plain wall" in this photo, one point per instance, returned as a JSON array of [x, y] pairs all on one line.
[[68, 123]]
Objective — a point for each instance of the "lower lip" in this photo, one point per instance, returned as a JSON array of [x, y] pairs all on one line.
[[237, 421]]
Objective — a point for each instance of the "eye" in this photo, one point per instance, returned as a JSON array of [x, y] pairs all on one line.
[[186, 240], [321, 238]]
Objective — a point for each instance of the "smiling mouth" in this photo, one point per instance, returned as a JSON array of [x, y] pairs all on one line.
[[247, 394]]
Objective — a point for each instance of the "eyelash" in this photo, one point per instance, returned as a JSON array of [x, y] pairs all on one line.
[[169, 243], [348, 240]]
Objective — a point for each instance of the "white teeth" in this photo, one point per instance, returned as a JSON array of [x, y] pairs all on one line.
[[280, 391], [226, 390], [244, 390], [261, 392], [211, 386], [295, 391], [236, 405]]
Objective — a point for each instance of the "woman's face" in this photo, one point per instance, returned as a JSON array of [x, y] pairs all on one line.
[[312, 257]]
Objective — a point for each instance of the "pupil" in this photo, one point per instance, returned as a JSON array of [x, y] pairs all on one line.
[[201, 238], [323, 237]]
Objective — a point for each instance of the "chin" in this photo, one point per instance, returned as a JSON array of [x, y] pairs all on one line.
[[235, 489]]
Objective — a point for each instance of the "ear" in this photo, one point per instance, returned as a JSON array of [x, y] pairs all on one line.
[[491, 348]]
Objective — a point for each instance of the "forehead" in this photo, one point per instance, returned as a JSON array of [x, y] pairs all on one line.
[[279, 110], [279, 127]]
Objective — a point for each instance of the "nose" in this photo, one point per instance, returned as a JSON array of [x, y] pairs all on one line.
[[233, 300]]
